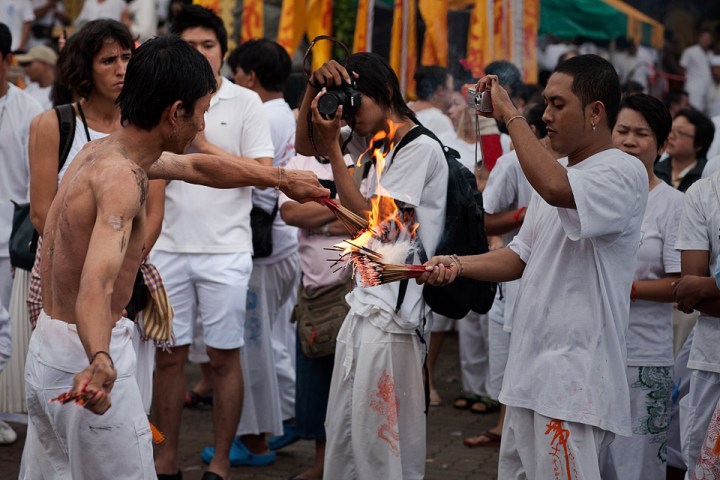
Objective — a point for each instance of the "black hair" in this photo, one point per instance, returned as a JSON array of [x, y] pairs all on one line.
[[653, 111], [674, 97], [269, 60], [295, 89], [5, 40], [631, 87], [378, 81], [428, 79], [75, 62], [192, 16], [507, 73], [534, 118], [163, 71], [704, 129], [594, 79]]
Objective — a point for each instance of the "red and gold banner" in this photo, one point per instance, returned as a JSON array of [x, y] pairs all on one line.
[[252, 20], [403, 45], [530, 23], [363, 26], [292, 24], [318, 15], [435, 43], [498, 33], [478, 38]]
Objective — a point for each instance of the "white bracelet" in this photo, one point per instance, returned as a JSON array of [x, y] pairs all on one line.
[[507, 124]]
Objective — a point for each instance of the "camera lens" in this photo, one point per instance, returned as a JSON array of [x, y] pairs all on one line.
[[328, 105]]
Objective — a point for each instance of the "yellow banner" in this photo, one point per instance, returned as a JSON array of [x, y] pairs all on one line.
[[498, 42], [531, 20], [252, 20], [396, 37], [209, 4], [477, 37], [362, 27], [435, 43], [411, 52], [319, 22], [292, 25]]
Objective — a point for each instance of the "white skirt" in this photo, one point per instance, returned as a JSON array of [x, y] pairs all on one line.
[[12, 383]]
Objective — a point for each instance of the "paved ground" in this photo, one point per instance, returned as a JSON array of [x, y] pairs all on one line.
[[447, 458]]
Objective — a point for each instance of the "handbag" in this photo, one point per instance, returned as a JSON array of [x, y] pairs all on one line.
[[261, 223], [23, 238], [319, 314]]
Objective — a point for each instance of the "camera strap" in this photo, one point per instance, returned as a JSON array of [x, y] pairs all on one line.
[[308, 74]]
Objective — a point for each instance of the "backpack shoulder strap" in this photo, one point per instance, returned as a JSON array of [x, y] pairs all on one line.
[[409, 137], [66, 121]]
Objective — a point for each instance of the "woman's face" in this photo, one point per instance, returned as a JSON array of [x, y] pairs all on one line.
[[681, 141], [457, 106], [108, 69], [632, 134]]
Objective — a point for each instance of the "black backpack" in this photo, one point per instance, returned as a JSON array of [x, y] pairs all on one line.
[[463, 234]]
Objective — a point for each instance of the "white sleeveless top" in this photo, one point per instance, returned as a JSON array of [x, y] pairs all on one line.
[[79, 142]]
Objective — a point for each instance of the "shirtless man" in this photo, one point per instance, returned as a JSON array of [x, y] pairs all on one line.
[[93, 246]]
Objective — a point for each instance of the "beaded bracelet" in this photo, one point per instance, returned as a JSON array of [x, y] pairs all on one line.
[[458, 264]]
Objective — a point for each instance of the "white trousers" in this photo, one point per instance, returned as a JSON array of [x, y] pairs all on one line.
[[642, 456], [473, 342], [696, 411], [707, 466], [283, 344], [12, 381], [375, 422], [535, 447], [5, 282], [270, 287], [69, 442], [499, 348]]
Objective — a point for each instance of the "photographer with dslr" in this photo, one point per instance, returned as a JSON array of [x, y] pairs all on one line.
[[375, 422]]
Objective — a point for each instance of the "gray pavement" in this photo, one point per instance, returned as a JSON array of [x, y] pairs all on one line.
[[447, 458]]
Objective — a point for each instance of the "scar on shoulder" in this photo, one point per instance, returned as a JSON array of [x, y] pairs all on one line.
[[115, 222]]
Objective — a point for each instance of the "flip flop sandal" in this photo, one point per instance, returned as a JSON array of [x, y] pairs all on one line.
[[490, 406], [491, 440], [193, 399], [469, 400], [288, 437]]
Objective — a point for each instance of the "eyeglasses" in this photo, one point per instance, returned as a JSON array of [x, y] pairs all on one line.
[[680, 133]]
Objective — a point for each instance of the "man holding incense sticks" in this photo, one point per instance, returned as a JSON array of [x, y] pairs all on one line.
[[94, 236], [564, 386], [375, 421]]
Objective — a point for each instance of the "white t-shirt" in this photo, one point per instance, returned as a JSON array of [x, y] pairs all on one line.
[[698, 78], [507, 189], [567, 356], [282, 130], [699, 229], [200, 219], [95, 10], [14, 13], [41, 94], [714, 149], [311, 247], [650, 335], [466, 150], [418, 177], [17, 110], [435, 120]]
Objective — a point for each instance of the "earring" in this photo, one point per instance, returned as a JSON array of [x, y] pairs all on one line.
[[593, 125]]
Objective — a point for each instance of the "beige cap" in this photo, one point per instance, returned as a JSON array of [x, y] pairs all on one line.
[[40, 53]]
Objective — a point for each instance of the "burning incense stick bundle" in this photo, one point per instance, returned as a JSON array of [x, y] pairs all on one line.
[[79, 397], [374, 273], [353, 222]]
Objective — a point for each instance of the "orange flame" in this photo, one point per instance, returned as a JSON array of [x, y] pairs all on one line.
[[384, 211]]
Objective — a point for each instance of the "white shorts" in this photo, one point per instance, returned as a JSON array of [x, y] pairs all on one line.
[[644, 454], [68, 441], [538, 447], [207, 289], [473, 340]]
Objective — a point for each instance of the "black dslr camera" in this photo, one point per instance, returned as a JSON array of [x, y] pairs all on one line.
[[346, 95]]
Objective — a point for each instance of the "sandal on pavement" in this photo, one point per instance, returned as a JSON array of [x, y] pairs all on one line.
[[484, 439], [465, 402], [488, 406], [435, 398], [193, 399], [288, 437], [241, 456]]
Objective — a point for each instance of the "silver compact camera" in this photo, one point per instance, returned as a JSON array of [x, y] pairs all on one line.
[[482, 102]]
